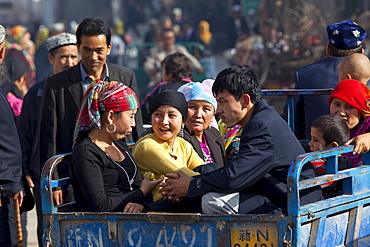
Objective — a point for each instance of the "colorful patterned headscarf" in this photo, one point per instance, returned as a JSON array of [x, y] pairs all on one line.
[[17, 33], [103, 96]]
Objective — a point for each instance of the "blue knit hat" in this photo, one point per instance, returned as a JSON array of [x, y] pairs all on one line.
[[346, 34]]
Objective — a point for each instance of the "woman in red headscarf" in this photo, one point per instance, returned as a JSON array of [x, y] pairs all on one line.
[[350, 99], [104, 176]]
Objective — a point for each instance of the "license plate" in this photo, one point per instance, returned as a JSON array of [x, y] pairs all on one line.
[[253, 235]]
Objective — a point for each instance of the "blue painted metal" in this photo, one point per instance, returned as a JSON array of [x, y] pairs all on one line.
[[290, 93], [339, 221], [336, 220]]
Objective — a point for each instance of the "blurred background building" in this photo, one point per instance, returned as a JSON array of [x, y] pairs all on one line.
[[292, 33]]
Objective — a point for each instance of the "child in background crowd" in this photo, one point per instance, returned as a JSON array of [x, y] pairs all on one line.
[[329, 131]]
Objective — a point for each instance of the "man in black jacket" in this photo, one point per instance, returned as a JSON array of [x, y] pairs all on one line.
[[63, 54], [11, 188], [63, 92], [256, 179]]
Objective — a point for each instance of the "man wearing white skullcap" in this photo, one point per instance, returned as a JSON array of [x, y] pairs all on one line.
[[63, 54]]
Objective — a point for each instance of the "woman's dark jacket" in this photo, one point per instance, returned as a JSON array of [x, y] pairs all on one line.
[[215, 144]]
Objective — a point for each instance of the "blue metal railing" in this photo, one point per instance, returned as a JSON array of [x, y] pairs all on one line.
[[290, 93]]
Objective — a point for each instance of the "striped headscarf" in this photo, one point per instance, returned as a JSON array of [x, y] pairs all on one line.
[[103, 96]]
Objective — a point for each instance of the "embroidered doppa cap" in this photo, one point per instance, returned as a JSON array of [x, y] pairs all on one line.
[[346, 34], [199, 91], [354, 93], [59, 40], [2, 34]]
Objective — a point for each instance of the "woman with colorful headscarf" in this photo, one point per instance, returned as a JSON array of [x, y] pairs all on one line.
[[350, 99], [205, 139], [104, 176]]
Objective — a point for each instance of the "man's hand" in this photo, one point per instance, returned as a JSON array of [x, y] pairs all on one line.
[[58, 197], [175, 187], [29, 181], [362, 143], [18, 196], [132, 207]]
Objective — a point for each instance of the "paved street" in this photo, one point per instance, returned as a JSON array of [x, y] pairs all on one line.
[[31, 228]]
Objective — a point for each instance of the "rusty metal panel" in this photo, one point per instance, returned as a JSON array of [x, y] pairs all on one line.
[[118, 229], [305, 234], [143, 233], [334, 231], [364, 231], [84, 233]]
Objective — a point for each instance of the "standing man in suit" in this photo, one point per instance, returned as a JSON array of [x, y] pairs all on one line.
[[63, 92], [10, 162], [63, 54], [345, 38]]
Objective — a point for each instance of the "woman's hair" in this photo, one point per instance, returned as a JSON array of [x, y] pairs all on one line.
[[333, 129], [179, 65]]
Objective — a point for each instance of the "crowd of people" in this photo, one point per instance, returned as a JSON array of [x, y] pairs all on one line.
[[213, 147]]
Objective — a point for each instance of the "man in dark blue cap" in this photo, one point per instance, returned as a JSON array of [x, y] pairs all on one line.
[[345, 38]]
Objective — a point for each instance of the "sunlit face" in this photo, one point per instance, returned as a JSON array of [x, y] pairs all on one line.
[[229, 109], [317, 140], [166, 123], [94, 51], [168, 39], [351, 115], [124, 122], [200, 114], [64, 58]]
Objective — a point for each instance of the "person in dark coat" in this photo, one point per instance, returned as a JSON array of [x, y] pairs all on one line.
[[256, 180], [63, 92], [345, 38], [236, 25], [11, 188], [63, 54]]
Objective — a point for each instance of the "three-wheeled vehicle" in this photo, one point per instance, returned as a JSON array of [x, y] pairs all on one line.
[[339, 221]]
